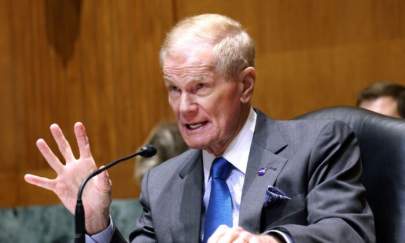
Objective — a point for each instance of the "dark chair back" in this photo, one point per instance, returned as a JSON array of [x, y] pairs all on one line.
[[382, 145]]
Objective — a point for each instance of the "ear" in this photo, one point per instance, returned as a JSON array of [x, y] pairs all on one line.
[[247, 79]]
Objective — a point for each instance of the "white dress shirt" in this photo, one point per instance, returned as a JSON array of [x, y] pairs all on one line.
[[237, 154]]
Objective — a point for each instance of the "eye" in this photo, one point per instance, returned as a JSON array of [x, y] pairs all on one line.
[[173, 90], [199, 86]]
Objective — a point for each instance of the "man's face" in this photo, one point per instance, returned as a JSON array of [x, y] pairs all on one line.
[[385, 105], [209, 108]]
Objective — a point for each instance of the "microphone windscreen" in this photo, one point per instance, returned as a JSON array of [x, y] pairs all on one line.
[[147, 151]]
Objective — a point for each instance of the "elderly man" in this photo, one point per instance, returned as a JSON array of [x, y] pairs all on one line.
[[246, 178]]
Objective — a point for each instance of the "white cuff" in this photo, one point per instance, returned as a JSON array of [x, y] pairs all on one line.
[[284, 236]]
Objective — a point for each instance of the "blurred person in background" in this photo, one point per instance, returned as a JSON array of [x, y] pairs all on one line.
[[167, 140], [384, 98]]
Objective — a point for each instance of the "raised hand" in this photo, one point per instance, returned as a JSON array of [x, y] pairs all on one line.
[[97, 194]]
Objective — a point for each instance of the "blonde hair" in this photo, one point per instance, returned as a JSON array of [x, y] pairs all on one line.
[[232, 46]]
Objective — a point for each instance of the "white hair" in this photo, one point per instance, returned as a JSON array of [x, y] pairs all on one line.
[[233, 48]]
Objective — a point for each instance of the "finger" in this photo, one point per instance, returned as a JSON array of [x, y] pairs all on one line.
[[263, 238], [231, 234], [243, 237], [49, 156], [255, 239], [82, 140], [63, 145], [218, 234], [40, 181]]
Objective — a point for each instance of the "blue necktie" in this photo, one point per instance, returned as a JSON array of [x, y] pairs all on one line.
[[220, 204]]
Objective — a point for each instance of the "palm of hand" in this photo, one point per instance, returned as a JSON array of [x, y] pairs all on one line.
[[96, 197], [67, 185]]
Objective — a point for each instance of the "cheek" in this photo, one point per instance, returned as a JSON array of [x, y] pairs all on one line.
[[173, 105], [224, 115], [229, 114]]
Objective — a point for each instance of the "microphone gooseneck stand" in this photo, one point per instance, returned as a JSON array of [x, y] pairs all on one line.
[[80, 224]]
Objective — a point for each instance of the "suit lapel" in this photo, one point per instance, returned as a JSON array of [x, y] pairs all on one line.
[[267, 143], [189, 200]]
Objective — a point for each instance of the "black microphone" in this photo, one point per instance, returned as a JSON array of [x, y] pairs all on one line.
[[146, 151]]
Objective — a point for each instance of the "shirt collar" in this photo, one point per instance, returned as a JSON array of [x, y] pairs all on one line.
[[237, 153]]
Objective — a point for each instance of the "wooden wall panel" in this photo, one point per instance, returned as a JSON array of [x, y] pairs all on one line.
[[71, 60], [97, 61], [313, 53], [8, 140]]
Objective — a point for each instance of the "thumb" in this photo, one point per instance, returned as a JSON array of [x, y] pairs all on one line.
[[103, 181]]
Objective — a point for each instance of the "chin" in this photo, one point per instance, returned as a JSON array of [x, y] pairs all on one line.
[[196, 143]]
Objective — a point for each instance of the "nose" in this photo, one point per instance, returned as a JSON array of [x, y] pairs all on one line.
[[188, 106]]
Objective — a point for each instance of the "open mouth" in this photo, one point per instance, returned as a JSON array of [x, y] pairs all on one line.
[[195, 126]]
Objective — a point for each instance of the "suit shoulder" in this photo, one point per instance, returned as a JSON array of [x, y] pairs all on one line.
[[305, 126], [162, 178], [310, 123], [176, 163], [301, 126], [298, 132]]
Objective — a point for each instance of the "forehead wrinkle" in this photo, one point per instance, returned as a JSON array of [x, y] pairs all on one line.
[[188, 72]]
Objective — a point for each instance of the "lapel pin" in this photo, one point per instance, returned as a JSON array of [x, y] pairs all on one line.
[[261, 171]]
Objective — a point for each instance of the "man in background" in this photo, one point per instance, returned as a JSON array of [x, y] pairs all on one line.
[[384, 98], [246, 178]]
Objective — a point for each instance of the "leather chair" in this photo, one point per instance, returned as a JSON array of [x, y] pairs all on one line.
[[382, 146]]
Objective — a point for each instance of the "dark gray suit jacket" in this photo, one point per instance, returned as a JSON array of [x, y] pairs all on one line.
[[316, 163]]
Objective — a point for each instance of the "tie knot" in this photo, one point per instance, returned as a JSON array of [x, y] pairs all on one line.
[[220, 169]]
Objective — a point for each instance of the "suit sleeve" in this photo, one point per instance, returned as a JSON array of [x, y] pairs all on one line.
[[144, 231], [337, 210]]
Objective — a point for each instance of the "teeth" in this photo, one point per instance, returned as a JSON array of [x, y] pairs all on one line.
[[195, 126]]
